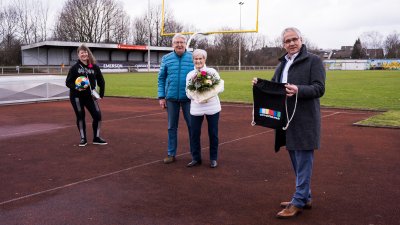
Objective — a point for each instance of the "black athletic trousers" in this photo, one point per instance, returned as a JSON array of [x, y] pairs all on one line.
[[79, 104]]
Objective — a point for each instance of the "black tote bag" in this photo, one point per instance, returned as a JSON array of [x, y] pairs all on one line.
[[269, 104]]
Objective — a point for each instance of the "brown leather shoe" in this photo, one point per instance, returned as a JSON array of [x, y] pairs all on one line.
[[288, 212], [308, 205], [169, 159]]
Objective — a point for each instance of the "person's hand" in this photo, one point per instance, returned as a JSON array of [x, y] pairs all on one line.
[[291, 89], [254, 81], [163, 103]]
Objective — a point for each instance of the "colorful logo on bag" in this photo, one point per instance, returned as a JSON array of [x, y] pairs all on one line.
[[273, 114]]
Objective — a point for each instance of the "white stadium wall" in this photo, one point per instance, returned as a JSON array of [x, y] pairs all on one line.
[[366, 64], [19, 89]]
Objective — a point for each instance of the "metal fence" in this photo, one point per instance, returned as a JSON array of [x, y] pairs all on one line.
[[33, 70], [59, 70], [236, 68]]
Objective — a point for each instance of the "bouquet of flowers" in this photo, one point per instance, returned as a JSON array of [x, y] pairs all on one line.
[[204, 85]]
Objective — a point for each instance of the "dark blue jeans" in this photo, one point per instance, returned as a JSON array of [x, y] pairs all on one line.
[[173, 110], [302, 162], [196, 122]]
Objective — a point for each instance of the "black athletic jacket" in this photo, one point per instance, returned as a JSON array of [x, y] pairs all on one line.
[[94, 74]]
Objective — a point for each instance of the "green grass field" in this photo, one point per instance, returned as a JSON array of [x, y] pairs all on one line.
[[376, 90]]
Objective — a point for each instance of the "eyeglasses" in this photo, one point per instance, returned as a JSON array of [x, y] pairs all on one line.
[[179, 42], [288, 41]]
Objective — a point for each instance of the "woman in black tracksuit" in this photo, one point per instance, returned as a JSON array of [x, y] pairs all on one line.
[[80, 98]]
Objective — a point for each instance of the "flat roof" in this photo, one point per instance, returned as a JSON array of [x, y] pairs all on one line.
[[95, 45]]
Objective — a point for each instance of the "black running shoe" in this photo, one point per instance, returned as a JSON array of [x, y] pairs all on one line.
[[83, 142], [99, 141]]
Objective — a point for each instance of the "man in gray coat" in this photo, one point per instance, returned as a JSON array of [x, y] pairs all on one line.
[[304, 76]]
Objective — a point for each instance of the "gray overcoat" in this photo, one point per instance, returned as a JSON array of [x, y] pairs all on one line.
[[308, 73]]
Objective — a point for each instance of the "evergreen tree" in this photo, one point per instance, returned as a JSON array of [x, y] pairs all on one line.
[[357, 50]]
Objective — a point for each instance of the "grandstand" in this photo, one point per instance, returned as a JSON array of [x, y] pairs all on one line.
[[110, 57]]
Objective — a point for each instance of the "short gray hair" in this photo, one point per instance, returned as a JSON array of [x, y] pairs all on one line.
[[294, 29], [200, 52], [178, 35]]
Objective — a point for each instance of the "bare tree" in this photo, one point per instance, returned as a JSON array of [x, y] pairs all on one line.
[[310, 45], [149, 26], [9, 43], [170, 26], [2, 20], [9, 24], [122, 29], [32, 20], [254, 41], [140, 30], [92, 21], [276, 42], [372, 40], [225, 49], [392, 45], [117, 31]]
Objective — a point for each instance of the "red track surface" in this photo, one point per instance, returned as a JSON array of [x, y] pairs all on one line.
[[47, 179]]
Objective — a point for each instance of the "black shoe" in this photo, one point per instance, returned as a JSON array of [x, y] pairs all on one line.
[[99, 141], [83, 142], [213, 163], [194, 163]]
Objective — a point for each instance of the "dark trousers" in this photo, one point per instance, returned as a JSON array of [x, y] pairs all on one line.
[[196, 122], [302, 162], [79, 104]]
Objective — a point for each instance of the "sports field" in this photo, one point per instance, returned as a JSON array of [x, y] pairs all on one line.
[[373, 90]]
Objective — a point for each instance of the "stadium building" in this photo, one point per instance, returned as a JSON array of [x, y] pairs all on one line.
[[43, 57], [110, 57]]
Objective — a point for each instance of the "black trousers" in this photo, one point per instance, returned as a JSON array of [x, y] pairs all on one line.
[[79, 104]]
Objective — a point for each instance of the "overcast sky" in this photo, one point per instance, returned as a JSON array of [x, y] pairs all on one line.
[[326, 23]]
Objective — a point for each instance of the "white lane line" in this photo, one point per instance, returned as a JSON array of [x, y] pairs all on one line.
[[332, 114], [115, 172], [130, 168], [62, 127]]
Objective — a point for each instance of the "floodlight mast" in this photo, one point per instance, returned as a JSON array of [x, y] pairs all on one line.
[[148, 40], [240, 37], [169, 33]]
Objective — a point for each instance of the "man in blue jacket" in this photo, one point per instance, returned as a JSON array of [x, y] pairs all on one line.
[[171, 90]]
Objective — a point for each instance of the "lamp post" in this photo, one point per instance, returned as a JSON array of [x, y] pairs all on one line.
[[240, 28], [148, 41]]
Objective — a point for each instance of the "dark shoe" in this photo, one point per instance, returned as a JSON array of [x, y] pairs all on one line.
[[99, 141], [308, 205], [194, 163], [288, 212], [213, 163], [83, 142], [169, 159]]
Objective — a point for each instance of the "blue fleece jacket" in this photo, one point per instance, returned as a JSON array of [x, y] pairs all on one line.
[[172, 76]]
